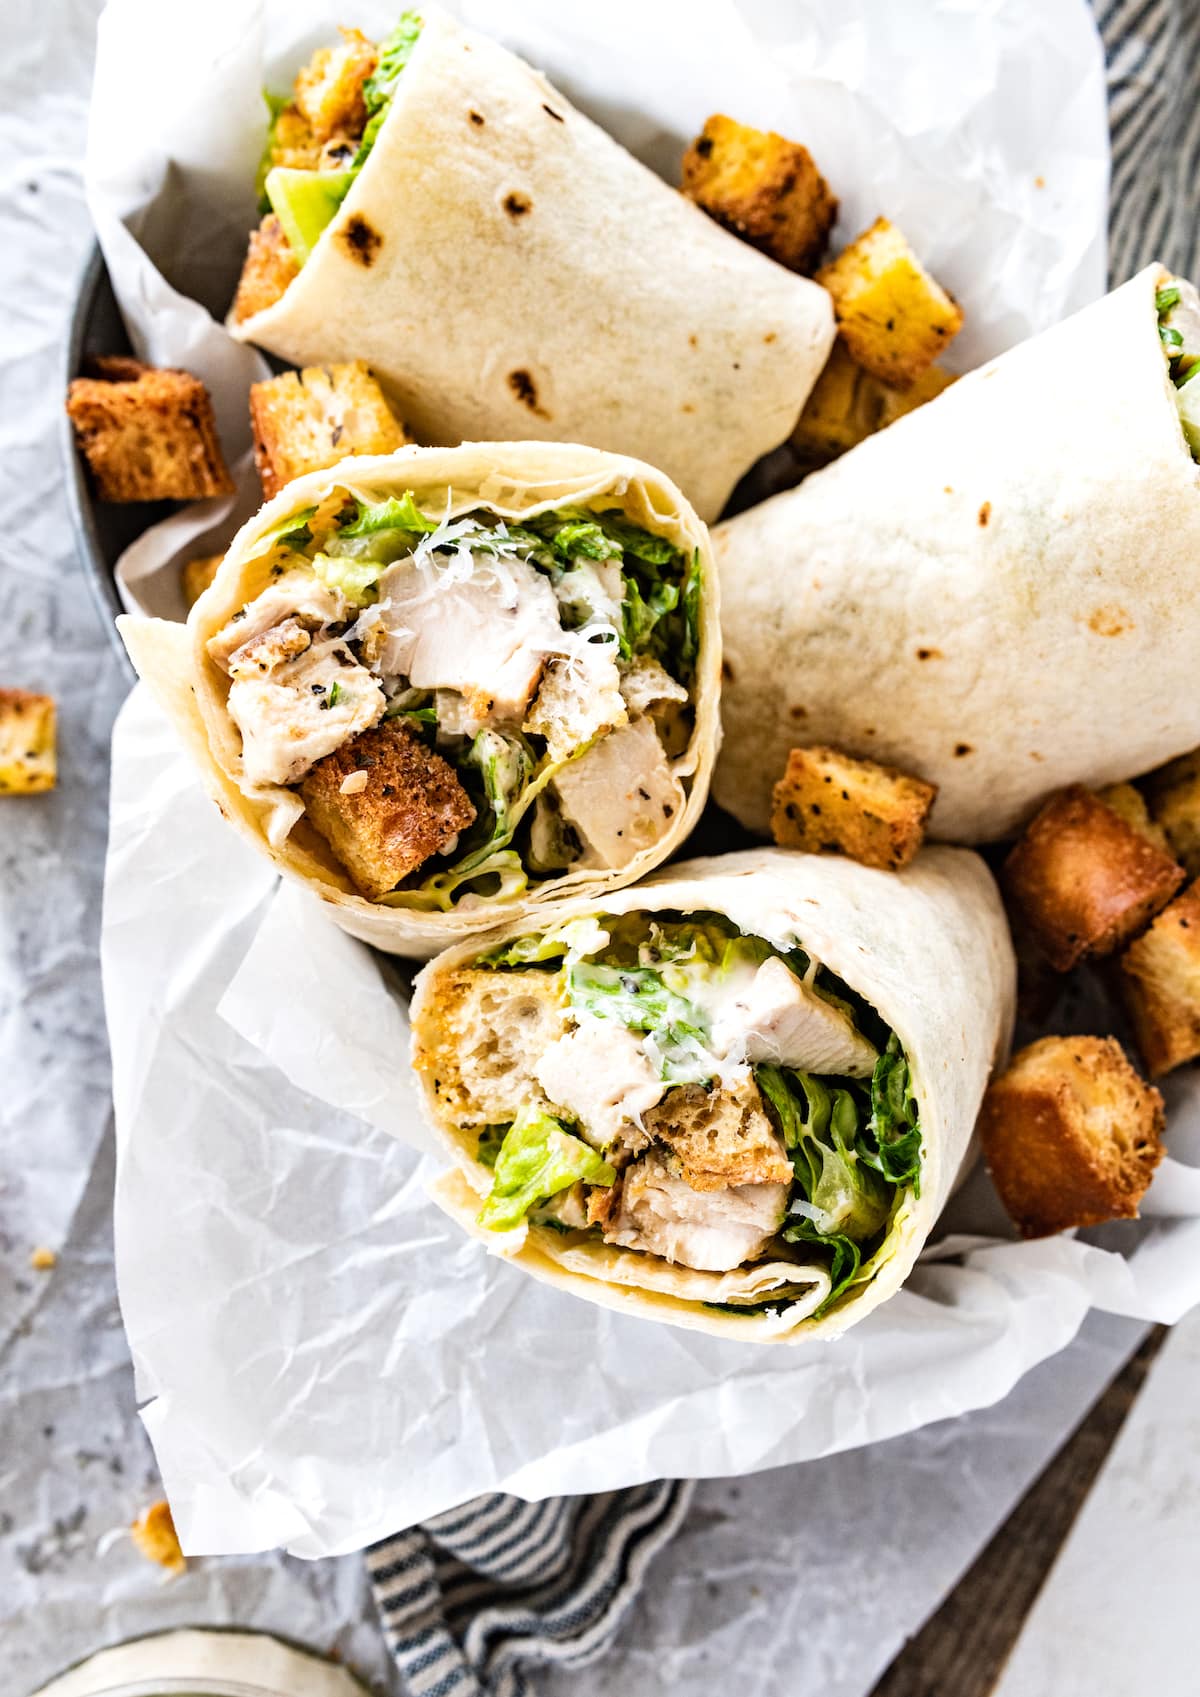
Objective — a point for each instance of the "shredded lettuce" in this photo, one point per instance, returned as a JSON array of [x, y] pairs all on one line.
[[538, 1158], [380, 87], [892, 1140], [396, 513], [639, 999]]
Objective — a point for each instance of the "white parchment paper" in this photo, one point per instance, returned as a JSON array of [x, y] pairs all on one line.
[[322, 1357]]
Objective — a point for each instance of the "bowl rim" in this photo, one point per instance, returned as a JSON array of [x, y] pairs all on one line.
[[93, 273]]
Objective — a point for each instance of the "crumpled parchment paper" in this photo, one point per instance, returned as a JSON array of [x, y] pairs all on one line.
[[322, 1356]]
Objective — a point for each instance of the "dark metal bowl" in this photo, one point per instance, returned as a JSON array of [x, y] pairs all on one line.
[[103, 529]]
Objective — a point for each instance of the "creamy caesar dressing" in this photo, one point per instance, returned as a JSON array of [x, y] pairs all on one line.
[[519, 693], [710, 1099]]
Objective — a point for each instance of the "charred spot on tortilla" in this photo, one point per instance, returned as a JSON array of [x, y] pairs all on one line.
[[517, 204], [985, 513], [726, 670], [1112, 620], [961, 748], [929, 654], [770, 336], [477, 118], [525, 389], [550, 112], [362, 240], [798, 712]]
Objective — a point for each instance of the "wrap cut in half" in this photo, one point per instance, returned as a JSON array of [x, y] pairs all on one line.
[[734, 1098], [443, 686], [509, 271], [998, 592]]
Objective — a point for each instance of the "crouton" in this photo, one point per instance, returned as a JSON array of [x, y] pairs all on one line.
[[831, 801], [1159, 975], [484, 1035], [198, 574], [1173, 793], [329, 90], [411, 805], [156, 1538], [28, 762], [148, 435], [1071, 1134], [269, 267], [762, 187], [719, 1137], [892, 315], [307, 420], [292, 143], [1083, 881], [848, 404], [1129, 804]]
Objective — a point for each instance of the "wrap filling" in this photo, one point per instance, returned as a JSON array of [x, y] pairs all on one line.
[[468, 706], [668, 1085], [1178, 307]]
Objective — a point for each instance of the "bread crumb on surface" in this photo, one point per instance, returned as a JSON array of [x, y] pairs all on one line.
[[28, 742], [42, 1260], [154, 1534]]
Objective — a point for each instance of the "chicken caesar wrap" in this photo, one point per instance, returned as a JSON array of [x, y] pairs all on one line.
[[734, 1098], [1006, 576], [433, 206], [443, 686]]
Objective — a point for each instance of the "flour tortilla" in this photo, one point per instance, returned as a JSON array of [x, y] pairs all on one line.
[[997, 593], [511, 479], [928, 948], [599, 306]]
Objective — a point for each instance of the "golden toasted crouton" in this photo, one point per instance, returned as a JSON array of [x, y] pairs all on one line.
[[1173, 792], [198, 574], [148, 435], [831, 801], [892, 315], [269, 267], [1129, 804], [307, 420], [385, 803], [329, 89], [155, 1536], [1083, 881], [485, 1034], [1160, 981], [28, 761], [43, 1260], [848, 404], [1071, 1134], [762, 187], [293, 144], [719, 1137]]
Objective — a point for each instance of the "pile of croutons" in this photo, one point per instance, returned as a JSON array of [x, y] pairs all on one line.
[[1071, 1132], [894, 319]]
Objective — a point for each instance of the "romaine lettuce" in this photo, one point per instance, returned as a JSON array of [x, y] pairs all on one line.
[[892, 1141], [538, 1158]]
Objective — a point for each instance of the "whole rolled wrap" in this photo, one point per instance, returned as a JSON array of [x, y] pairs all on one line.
[[928, 949], [514, 482], [997, 593], [509, 271]]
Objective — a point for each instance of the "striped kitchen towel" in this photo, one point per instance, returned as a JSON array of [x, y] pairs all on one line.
[[474, 1598]]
